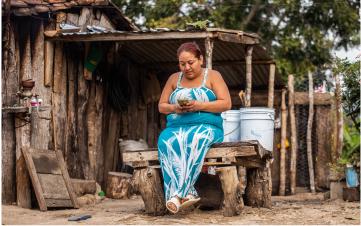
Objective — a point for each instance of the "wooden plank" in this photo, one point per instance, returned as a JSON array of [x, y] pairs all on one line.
[[35, 180], [58, 203], [66, 178], [53, 186], [46, 163], [249, 50], [271, 81], [152, 154]]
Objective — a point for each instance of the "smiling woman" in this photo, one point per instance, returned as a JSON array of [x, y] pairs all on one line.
[[193, 100]]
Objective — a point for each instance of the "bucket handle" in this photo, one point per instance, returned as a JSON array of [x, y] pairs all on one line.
[[239, 124]]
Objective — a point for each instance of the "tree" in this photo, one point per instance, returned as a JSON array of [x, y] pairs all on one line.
[[300, 35]]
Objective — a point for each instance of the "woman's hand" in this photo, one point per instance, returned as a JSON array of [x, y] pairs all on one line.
[[193, 106]]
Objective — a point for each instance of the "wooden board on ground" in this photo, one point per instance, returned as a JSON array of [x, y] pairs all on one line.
[[50, 178]]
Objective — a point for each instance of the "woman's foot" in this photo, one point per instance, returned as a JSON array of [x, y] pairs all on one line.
[[189, 200], [173, 204]]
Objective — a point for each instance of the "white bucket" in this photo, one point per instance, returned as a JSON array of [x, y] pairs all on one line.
[[231, 125], [257, 123]]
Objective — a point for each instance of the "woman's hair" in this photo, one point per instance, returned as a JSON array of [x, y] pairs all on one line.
[[191, 47]]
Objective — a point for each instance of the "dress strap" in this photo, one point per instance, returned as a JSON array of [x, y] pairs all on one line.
[[179, 79], [205, 77]]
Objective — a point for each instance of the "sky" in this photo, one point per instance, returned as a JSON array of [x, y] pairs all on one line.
[[351, 54]]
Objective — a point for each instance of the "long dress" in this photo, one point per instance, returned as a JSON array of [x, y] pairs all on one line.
[[184, 143]]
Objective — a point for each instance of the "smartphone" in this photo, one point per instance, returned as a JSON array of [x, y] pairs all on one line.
[[183, 102]]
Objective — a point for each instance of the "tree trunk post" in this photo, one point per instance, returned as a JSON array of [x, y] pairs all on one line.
[[259, 187], [233, 202], [309, 134], [291, 105], [282, 188], [339, 117], [148, 183], [209, 52], [271, 84], [249, 50]]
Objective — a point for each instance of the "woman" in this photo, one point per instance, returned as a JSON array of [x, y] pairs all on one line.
[[193, 100]]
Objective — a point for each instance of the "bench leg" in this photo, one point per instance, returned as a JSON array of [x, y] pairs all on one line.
[[259, 187], [233, 202], [147, 182]]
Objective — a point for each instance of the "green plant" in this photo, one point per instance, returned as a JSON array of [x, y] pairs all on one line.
[[351, 148]]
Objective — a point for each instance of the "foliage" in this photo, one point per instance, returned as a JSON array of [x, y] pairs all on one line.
[[299, 34], [350, 73], [351, 148]]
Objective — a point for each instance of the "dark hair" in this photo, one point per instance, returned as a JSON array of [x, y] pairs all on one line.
[[191, 47]]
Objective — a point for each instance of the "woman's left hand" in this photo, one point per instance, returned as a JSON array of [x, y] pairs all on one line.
[[193, 106]]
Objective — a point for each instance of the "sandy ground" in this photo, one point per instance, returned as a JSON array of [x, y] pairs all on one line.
[[299, 209]]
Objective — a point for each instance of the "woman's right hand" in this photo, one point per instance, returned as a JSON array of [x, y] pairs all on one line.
[[179, 109]]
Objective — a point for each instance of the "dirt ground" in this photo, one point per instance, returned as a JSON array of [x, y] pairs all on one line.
[[302, 208]]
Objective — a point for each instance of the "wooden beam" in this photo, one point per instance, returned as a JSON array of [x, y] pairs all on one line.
[[132, 36], [291, 103], [271, 84], [237, 39], [249, 50]]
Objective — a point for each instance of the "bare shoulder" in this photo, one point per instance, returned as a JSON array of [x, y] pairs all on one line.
[[173, 78], [214, 75]]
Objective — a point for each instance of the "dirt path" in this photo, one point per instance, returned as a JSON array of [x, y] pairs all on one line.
[[285, 210]]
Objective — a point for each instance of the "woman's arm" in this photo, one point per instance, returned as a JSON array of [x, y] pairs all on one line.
[[219, 87], [164, 106]]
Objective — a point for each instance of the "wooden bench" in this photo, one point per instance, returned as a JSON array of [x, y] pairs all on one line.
[[225, 157]]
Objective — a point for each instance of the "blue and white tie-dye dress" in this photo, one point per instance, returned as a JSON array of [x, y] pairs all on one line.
[[184, 143]]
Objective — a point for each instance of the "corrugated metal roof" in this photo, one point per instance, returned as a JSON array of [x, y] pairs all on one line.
[[157, 49]]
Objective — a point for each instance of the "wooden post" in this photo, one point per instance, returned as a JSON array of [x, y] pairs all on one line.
[[291, 105], [233, 202], [309, 134], [209, 52], [249, 50], [23, 192], [283, 144], [90, 120], [259, 187], [118, 185], [147, 181], [271, 84], [48, 58], [339, 116], [25, 64]]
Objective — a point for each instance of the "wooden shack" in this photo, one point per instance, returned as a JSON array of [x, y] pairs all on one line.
[[85, 112]]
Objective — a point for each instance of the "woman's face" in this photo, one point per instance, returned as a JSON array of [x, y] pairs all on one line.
[[190, 65]]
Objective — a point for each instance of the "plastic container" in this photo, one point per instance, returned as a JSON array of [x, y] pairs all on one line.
[[351, 177], [257, 123], [231, 125]]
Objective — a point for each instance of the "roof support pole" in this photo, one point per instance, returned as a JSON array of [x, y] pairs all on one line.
[[309, 133], [209, 52], [249, 50], [271, 85], [282, 187]]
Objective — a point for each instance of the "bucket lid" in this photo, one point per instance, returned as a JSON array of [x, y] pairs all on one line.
[[257, 110]]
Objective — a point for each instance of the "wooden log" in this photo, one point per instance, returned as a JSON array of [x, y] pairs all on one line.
[[233, 202], [118, 185], [49, 57], [91, 115], [25, 64], [105, 22], [259, 187], [309, 133], [271, 84], [10, 85], [147, 181], [59, 97], [99, 105], [283, 144], [40, 123], [209, 52], [82, 187], [72, 18], [85, 18], [249, 50], [291, 105], [23, 187]]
